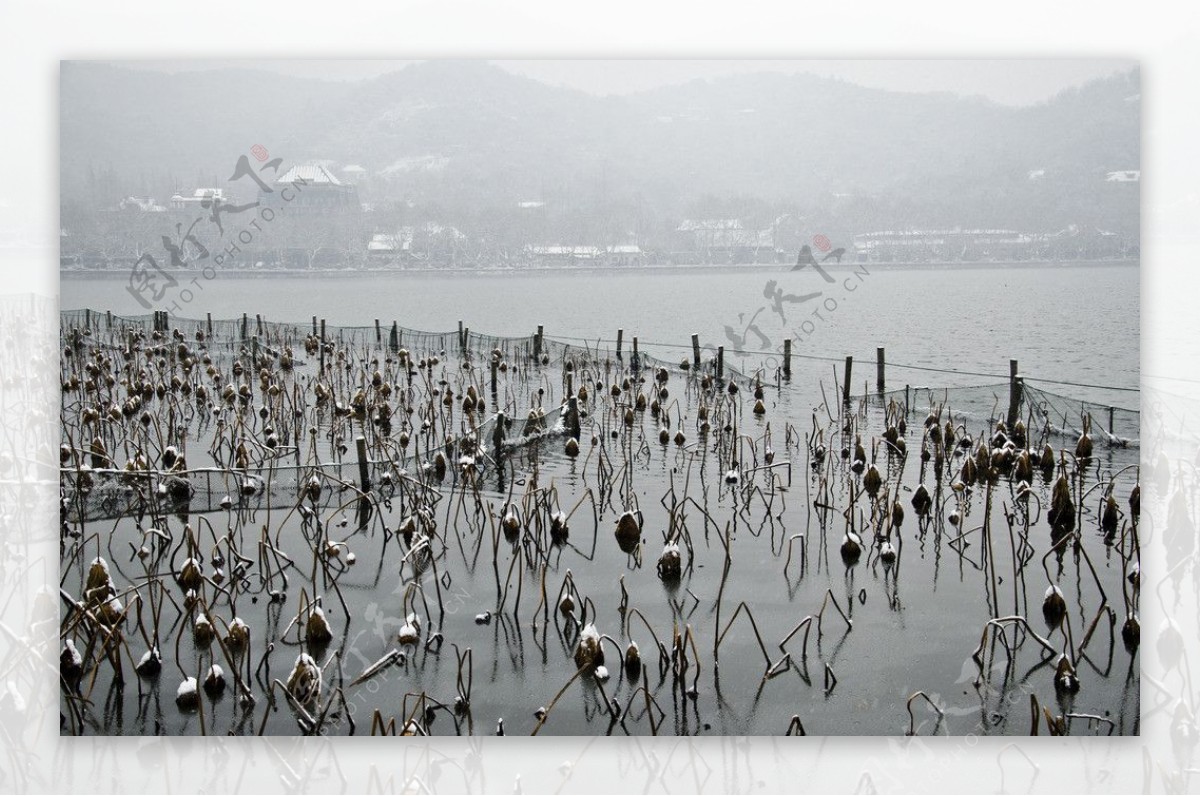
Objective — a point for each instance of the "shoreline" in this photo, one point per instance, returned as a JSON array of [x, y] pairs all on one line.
[[352, 273]]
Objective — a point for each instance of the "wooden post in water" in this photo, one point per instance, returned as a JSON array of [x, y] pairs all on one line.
[[498, 432], [258, 322], [636, 359], [314, 326], [1014, 393], [108, 318], [394, 340], [720, 362], [1110, 422], [360, 443], [321, 358], [879, 381], [465, 337], [538, 342], [378, 333], [87, 319], [846, 383], [696, 351], [620, 335], [254, 352], [495, 367], [787, 358], [208, 324], [460, 333]]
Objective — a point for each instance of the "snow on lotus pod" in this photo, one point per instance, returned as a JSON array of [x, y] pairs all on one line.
[[851, 548], [304, 683], [70, 662], [872, 481], [588, 653], [202, 631], [111, 611], [317, 630], [191, 574], [410, 631], [670, 563], [214, 681], [629, 531], [187, 696], [559, 529], [99, 582], [150, 663], [1054, 607], [633, 659], [1065, 679]]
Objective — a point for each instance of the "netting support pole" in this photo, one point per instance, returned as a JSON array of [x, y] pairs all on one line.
[[87, 319], [879, 360], [846, 381], [537, 343], [208, 325], [1014, 393], [620, 336], [461, 341], [787, 358], [495, 367], [498, 433], [108, 318], [906, 409], [314, 326], [720, 362], [360, 443], [258, 324], [394, 340], [378, 333], [245, 326], [466, 335], [321, 359], [696, 350], [1111, 432]]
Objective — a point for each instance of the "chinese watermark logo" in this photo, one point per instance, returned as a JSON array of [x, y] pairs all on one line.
[[153, 285], [794, 310]]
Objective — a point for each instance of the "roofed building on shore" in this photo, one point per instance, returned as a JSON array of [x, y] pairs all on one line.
[[311, 187], [201, 198], [723, 240], [988, 245]]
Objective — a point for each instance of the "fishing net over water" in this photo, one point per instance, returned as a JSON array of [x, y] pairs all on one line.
[[233, 338]]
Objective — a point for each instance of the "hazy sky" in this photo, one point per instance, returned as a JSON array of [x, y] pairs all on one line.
[[1013, 82]]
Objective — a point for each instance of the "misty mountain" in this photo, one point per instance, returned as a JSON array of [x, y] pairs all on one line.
[[464, 137]]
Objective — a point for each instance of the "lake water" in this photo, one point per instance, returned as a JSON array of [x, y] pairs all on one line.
[[914, 625], [1066, 323]]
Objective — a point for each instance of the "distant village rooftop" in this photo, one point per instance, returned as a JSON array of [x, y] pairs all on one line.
[[312, 174]]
